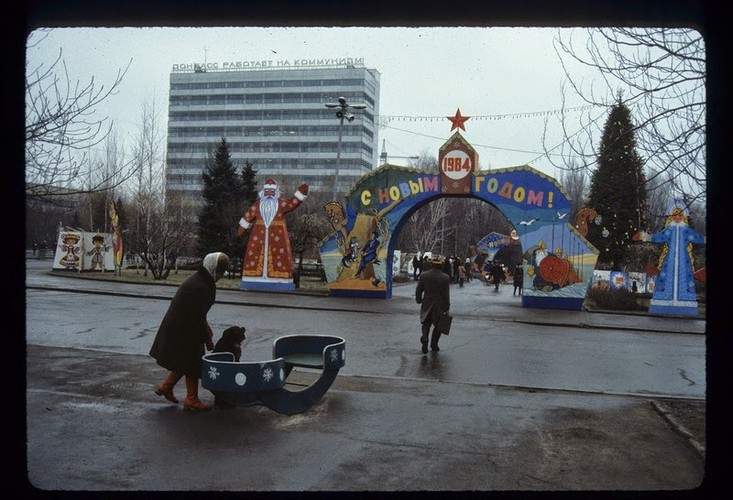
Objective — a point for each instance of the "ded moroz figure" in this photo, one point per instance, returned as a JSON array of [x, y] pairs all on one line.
[[267, 263]]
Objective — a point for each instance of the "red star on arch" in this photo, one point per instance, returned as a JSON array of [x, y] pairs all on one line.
[[458, 120]]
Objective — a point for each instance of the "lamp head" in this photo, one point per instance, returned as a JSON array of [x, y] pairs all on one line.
[[345, 114]]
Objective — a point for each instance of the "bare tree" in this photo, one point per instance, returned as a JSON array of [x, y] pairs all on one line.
[[575, 182], [426, 160], [425, 229], [158, 225], [61, 126], [661, 74]]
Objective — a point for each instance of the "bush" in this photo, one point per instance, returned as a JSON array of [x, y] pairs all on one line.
[[616, 300]]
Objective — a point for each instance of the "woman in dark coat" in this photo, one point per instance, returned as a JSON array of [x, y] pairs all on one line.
[[179, 343]]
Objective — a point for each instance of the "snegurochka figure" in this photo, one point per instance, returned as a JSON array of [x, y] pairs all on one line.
[[674, 290]]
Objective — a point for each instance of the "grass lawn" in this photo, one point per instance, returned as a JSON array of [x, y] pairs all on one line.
[[308, 284]]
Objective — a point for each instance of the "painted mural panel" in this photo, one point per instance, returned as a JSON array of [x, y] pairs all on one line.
[[558, 260], [84, 251], [492, 243], [355, 255]]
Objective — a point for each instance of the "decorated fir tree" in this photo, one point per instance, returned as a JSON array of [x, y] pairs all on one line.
[[618, 189]]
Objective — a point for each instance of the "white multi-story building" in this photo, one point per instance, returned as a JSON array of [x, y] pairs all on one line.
[[273, 114]]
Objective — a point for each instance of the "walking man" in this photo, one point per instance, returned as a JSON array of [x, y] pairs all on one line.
[[497, 273], [433, 295], [416, 267], [518, 279]]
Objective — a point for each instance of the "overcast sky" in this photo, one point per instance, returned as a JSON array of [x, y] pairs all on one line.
[[508, 80]]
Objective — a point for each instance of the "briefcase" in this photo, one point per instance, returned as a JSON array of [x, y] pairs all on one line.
[[444, 323]]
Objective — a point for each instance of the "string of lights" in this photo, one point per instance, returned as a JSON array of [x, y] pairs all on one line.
[[530, 114]]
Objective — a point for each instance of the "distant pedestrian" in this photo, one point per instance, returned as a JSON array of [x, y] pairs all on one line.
[[184, 331], [461, 276], [416, 267], [35, 247], [486, 272], [171, 260], [518, 279], [497, 274], [446, 267], [433, 295], [467, 267], [634, 288]]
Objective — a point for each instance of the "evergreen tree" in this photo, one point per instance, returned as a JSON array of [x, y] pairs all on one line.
[[249, 195], [618, 189], [249, 192], [223, 193]]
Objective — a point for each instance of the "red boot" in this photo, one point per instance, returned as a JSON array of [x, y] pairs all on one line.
[[166, 388], [192, 402]]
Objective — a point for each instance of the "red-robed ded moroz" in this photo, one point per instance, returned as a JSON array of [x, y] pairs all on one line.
[[268, 251]]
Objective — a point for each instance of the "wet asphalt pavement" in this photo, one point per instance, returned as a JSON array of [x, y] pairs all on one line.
[[93, 423]]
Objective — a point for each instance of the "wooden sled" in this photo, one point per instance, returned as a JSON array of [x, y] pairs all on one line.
[[263, 382]]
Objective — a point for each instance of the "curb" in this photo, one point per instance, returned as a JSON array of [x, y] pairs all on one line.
[[666, 413]]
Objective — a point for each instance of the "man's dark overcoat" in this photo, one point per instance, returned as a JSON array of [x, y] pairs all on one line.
[[179, 343], [433, 294]]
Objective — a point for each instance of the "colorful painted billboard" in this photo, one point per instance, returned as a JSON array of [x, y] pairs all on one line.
[[82, 251]]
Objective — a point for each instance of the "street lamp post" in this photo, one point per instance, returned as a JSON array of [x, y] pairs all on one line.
[[341, 114]]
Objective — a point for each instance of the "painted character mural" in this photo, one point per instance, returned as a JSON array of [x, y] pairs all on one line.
[[97, 253], [267, 258], [117, 246], [369, 257], [674, 291], [351, 252], [337, 218], [71, 249], [365, 234], [551, 271], [584, 217]]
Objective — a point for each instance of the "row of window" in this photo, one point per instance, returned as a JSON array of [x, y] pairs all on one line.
[[195, 180], [262, 114], [276, 98], [279, 131], [177, 165], [192, 190], [274, 147], [332, 82]]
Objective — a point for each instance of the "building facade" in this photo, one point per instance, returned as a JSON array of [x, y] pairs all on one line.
[[273, 116]]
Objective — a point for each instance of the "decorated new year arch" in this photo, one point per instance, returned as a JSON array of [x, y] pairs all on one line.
[[358, 255]]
